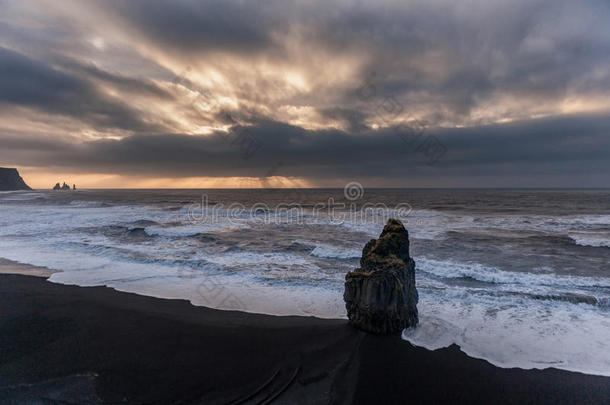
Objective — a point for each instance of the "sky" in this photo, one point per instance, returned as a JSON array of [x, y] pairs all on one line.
[[279, 93]]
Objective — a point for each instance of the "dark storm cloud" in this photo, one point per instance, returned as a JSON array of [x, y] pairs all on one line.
[[124, 83], [558, 147], [528, 49], [525, 49], [194, 26], [288, 74], [31, 83], [354, 118]]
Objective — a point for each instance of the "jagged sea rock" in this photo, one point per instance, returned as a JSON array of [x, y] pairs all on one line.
[[63, 187], [10, 180], [380, 296]]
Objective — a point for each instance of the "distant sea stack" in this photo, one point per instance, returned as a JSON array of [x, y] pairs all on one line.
[[380, 296], [10, 180], [63, 187]]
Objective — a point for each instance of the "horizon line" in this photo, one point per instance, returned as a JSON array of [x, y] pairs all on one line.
[[325, 188]]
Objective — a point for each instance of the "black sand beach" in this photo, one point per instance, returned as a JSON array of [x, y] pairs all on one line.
[[67, 344]]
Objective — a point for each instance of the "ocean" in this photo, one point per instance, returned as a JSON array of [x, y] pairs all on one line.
[[520, 278]]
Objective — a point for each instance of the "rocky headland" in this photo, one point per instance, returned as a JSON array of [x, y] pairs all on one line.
[[10, 180]]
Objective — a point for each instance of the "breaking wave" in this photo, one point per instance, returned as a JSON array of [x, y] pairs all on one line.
[[479, 272]]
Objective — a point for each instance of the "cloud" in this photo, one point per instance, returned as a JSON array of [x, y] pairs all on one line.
[[450, 59], [207, 26], [150, 87], [570, 147], [31, 83]]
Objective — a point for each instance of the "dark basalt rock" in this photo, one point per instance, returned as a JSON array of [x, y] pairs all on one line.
[[380, 296], [63, 187], [10, 180]]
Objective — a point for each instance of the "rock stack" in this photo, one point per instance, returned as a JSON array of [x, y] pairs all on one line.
[[63, 187], [380, 296]]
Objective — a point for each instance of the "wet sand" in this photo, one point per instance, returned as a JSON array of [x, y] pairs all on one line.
[[11, 267], [68, 344]]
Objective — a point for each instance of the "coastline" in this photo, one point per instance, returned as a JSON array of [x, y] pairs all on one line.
[[98, 345], [12, 267]]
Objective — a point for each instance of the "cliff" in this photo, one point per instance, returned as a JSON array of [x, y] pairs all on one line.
[[11, 180]]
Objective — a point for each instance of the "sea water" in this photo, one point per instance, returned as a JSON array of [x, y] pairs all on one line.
[[520, 278]]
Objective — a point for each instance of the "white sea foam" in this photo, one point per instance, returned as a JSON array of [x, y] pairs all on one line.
[[223, 291], [508, 334], [192, 229], [335, 252], [85, 204], [256, 258], [20, 195], [507, 327], [476, 271], [595, 239]]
